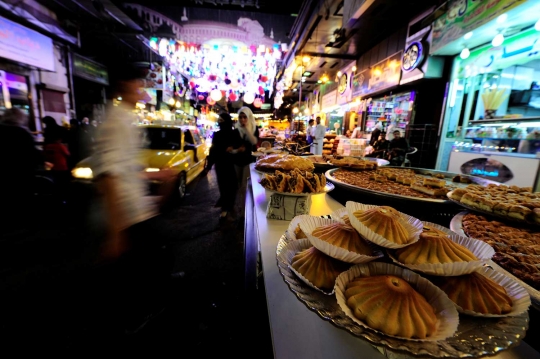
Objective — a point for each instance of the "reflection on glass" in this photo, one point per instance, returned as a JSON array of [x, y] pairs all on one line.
[[487, 168]]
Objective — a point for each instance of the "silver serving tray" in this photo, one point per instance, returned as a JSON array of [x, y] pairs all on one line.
[[475, 337], [456, 225], [420, 171]]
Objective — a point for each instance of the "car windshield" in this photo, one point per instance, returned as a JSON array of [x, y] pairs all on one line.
[[161, 138]]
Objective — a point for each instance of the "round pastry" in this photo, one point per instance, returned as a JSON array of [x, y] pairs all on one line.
[[386, 222], [434, 249], [343, 236], [320, 269], [477, 293], [389, 304]]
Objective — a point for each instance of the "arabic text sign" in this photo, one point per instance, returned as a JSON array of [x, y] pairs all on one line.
[[463, 16], [518, 49], [383, 75], [21, 44]]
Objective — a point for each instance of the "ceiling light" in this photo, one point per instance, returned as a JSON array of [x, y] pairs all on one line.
[[307, 74], [339, 74], [295, 110], [465, 53], [306, 59], [294, 90], [502, 18], [537, 26], [497, 40], [468, 35], [354, 68]]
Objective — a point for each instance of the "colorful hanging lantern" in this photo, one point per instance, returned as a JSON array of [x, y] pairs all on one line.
[[201, 97], [257, 103], [210, 101], [249, 97], [261, 90], [233, 97], [216, 95]]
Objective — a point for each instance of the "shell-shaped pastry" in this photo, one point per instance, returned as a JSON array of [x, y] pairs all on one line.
[[386, 222], [389, 304], [320, 269], [343, 236], [477, 293], [434, 249]]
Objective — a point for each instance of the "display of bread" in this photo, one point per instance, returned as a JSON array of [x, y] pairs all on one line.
[[434, 248], [513, 202], [343, 236], [477, 293], [386, 222], [399, 181], [283, 163], [320, 269], [390, 304], [295, 181], [517, 246]]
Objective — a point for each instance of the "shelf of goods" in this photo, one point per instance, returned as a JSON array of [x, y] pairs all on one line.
[[298, 312]]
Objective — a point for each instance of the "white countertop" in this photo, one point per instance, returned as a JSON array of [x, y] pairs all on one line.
[[297, 332]]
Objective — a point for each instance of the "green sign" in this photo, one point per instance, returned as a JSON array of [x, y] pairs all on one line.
[[516, 50], [464, 16], [90, 70]]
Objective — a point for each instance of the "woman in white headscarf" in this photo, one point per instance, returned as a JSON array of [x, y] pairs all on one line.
[[246, 139]]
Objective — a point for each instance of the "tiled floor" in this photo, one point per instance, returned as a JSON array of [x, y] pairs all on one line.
[[49, 306]]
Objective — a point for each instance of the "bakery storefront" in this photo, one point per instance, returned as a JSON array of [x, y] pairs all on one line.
[[491, 122]]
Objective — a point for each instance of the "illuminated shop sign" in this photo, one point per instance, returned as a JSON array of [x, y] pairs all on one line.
[[21, 44], [381, 76]]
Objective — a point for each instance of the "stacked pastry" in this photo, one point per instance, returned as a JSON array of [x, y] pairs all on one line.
[[283, 163], [513, 202], [383, 225], [396, 302], [354, 163], [296, 181], [337, 239], [440, 251]]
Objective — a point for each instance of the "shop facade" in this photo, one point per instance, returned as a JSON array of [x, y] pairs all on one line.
[[491, 124], [35, 74]]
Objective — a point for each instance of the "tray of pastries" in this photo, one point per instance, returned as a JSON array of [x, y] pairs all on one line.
[[517, 247], [341, 275], [283, 162], [512, 203], [417, 184], [296, 183]]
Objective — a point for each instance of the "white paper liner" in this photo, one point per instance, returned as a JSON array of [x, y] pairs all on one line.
[[309, 223], [338, 214], [292, 226], [521, 299], [412, 225], [445, 310], [480, 249], [288, 253]]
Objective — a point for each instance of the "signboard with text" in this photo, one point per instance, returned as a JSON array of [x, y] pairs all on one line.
[[463, 16], [381, 76], [90, 70], [21, 44]]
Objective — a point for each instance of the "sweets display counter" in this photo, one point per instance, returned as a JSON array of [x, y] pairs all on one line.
[[297, 331]]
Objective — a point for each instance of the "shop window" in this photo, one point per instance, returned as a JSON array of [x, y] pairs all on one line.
[[53, 101]]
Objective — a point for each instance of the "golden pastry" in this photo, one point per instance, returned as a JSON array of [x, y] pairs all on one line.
[[386, 222], [299, 233], [389, 304], [477, 293], [343, 236], [434, 249], [321, 270]]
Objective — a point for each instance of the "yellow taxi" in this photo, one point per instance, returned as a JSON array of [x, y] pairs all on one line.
[[181, 149]]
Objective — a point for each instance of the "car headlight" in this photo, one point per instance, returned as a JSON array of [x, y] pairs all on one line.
[[82, 173], [151, 169]]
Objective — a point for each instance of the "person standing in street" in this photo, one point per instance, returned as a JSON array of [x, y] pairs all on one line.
[[309, 134], [134, 263], [318, 137], [222, 157], [246, 137]]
